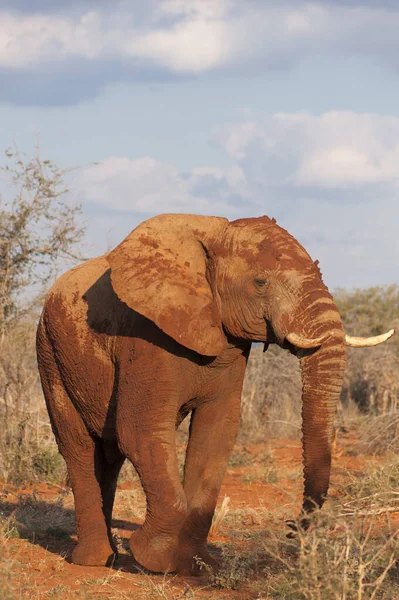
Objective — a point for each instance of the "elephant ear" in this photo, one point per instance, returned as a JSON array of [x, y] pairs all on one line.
[[160, 270]]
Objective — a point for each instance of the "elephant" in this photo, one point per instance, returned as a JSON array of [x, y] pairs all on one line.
[[131, 342]]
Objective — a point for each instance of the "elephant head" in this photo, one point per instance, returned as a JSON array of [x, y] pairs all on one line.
[[210, 283]]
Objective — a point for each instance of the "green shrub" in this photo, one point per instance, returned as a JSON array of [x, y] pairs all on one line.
[[49, 465]]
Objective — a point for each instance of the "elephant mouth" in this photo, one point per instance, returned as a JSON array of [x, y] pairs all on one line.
[[271, 337], [293, 342], [296, 343]]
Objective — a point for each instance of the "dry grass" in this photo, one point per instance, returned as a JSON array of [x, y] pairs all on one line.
[[372, 379], [380, 434], [348, 553], [271, 399], [350, 550], [337, 559], [6, 561], [32, 517], [27, 448], [40, 517], [219, 516]]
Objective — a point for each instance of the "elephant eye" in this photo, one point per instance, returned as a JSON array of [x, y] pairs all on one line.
[[261, 282]]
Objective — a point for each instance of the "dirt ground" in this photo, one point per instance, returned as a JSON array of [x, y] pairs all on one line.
[[263, 483]]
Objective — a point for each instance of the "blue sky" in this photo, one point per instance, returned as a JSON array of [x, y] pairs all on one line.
[[227, 107]]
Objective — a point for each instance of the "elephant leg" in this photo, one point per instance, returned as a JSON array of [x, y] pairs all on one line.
[[108, 467], [81, 456], [80, 453], [213, 431], [151, 448]]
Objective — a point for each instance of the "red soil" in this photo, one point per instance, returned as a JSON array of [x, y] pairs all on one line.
[[269, 483]]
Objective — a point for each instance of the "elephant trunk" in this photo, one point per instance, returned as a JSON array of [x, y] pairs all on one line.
[[322, 375]]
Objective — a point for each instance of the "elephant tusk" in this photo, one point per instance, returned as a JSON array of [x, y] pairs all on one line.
[[302, 342], [363, 342]]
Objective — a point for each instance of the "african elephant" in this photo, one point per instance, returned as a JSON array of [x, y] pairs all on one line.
[[129, 343]]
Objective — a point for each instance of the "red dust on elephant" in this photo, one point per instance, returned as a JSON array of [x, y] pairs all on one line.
[[129, 343]]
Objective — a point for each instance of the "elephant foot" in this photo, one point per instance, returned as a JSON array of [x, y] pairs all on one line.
[[292, 528], [302, 523], [113, 544], [197, 562], [157, 553], [92, 554]]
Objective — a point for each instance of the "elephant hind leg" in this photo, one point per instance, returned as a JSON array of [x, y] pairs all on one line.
[[80, 452], [108, 466]]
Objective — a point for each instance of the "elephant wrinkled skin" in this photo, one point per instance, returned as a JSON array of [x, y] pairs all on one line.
[[129, 343]]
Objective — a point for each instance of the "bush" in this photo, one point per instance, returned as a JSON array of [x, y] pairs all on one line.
[[38, 228], [349, 550], [49, 465], [380, 435], [27, 448], [372, 379], [369, 311], [271, 399]]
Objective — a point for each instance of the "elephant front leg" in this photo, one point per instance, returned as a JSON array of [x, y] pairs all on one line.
[[213, 431], [147, 438]]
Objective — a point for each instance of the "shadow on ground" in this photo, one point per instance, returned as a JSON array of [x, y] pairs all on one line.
[[52, 526]]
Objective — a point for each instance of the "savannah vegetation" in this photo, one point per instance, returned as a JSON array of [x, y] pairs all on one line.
[[352, 548]]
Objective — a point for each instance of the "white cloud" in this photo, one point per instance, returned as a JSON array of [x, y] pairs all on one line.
[[278, 163], [26, 41], [209, 9], [145, 185], [195, 36], [331, 180], [333, 150], [189, 47], [194, 44]]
